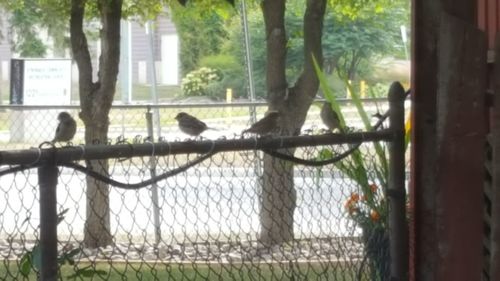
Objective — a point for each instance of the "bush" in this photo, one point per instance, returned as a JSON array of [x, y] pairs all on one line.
[[233, 76], [196, 82]]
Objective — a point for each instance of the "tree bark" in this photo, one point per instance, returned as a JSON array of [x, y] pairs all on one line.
[[95, 100], [278, 198]]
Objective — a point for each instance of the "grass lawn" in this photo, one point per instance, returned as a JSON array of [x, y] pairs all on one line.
[[192, 271]]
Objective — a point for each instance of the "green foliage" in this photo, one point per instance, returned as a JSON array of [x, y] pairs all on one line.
[[24, 21], [30, 16], [369, 207], [32, 259], [355, 33], [351, 41], [378, 90], [232, 72], [355, 167], [236, 48], [201, 34], [195, 83]]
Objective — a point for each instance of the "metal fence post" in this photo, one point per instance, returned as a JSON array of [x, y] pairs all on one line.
[[47, 179], [154, 186], [398, 230]]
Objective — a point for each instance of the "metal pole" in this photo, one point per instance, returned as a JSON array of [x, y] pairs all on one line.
[[47, 179], [152, 73], [251, 87], [125, 61], [248, 55], [154, 186], [398, 227]]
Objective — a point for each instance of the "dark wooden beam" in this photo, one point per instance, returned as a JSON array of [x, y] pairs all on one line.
[[423, 243], [437, 149], [494, 269], [462, 79]]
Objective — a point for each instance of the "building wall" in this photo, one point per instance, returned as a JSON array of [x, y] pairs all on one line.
[[139, 42], [140, 48], [5, 52]]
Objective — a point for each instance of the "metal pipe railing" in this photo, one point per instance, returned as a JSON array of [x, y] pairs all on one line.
[[40, 156], [47, 179], [398, 227]]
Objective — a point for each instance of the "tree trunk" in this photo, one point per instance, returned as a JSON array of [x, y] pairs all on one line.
[[97, 225], [95, 100], [278, 198]]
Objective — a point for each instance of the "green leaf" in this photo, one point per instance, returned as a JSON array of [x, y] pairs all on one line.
[[87, 271], [25, 264], [60, 216], [325, 154], [37, 257]]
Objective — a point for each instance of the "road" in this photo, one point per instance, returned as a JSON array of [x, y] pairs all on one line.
[[193, 205]]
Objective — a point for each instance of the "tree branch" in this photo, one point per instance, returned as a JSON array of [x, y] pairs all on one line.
[[80, 50], [313, 29], [110, 49], [274, 19]]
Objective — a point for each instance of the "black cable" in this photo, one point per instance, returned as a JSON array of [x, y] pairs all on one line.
[[308, 162], [134, 186]]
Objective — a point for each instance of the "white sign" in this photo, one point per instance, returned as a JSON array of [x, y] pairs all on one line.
[[47, 82]]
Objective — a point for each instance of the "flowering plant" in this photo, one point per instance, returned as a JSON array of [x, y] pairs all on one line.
[[367, 214], [368, 206], [197, 81]]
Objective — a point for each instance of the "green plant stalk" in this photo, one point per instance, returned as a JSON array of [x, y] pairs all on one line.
[[354, 169], [382, 158]]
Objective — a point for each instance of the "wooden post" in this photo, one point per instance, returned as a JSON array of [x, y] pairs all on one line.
[[460, 149], [425, 244], [494, 269]]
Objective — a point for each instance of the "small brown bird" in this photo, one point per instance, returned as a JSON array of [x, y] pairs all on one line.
[[330, 117], [265, 125], [191, 125], [66, 129]]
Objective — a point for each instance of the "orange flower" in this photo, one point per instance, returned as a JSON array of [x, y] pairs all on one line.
[[374, 215], [351, 204], [354, 197], [373, 187], [351, 207]]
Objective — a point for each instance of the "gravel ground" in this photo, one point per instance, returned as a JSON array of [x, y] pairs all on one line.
[[335, 249]]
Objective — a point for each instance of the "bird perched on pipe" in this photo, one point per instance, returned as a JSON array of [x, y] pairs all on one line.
[[191, 125], [330, 118], [66, 128], [266, 125]]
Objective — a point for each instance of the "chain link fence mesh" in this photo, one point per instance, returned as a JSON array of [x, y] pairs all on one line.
[[205, 222], [28, 126]]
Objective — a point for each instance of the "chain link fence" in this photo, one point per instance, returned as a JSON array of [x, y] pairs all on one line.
[[28, 126], [199, 210]]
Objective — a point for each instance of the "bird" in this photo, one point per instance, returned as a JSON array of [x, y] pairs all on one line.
[[66, 128], [265, 125], [191, 125], [330, 118]]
